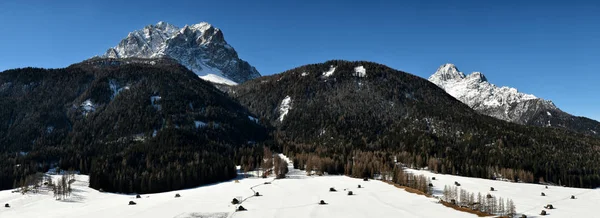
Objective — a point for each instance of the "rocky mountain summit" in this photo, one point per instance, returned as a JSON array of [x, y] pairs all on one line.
[[200, 47], [507, 103]]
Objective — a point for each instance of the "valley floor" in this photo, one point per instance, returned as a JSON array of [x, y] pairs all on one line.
[[296, 196], [527, 197]]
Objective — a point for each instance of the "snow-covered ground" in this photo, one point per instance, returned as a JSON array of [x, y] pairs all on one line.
[[527, 197], [296, 196]]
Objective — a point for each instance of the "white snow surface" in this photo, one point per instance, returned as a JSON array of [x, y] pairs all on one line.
[[360, 71], [527, 197], [329, 72], [304, 74], [475, 91], [219, 79], [284, 107], [88, 106], [294, 197]]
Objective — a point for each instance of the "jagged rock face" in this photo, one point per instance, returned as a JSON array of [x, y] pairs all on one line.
[[200, 47], [507, 103]]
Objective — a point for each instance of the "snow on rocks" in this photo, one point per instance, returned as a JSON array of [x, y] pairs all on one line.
[[329, 72], [304, 74], [284, 107], [200, 47], [114, 86], [360, 71], [88, 107], [254, 119], [475, 91]]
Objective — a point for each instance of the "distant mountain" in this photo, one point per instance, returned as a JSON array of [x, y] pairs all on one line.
[[359, 118], [200, 47], [133, 125], [507, 103]]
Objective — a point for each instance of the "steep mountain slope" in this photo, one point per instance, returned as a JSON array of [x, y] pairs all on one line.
[[200, 47], [359, 118], [126, 122], [507, 103]]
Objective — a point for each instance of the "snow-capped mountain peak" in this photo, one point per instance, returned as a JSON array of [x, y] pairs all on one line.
[[505, 103], [200, 47], [447, 72]]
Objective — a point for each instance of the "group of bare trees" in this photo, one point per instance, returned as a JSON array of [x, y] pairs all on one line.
[[488, 203], [62, 189], [419, 182], [280, 167]]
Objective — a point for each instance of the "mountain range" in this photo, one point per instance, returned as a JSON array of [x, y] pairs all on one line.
[[151, 115], [357, 118], [507, 103]]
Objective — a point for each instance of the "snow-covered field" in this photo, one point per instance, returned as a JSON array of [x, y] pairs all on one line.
[[296, 196], [527, 197]]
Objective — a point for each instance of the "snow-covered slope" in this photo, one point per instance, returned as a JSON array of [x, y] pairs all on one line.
[[527, 197], [296, 196], [507, 103], [200, 47]]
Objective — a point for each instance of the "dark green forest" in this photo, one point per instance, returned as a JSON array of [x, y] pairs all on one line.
[[143, 126], [130, 141], [361, 126]]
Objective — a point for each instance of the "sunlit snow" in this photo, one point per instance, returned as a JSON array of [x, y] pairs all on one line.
[[360, 71], [284, 107], [329, 72]]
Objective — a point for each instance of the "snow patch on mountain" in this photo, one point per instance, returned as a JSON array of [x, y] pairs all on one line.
[[304, 74], [88, 107], [254, 119], [116, 89], [329, 72], [218, 79], [285, 107], [200, 47], [360, 71]]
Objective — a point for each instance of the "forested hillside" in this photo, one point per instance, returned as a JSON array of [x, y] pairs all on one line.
[[359, 118], [133, 125]]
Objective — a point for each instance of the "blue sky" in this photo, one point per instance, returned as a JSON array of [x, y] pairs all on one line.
[[547, 48]]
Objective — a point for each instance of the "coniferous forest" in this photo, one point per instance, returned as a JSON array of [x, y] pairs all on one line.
[[133, 125], [151, 125], [362, 125]]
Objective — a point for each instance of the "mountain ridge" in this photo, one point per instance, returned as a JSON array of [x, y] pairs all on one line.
[[507, 103]]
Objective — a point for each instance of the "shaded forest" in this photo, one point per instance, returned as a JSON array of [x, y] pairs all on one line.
[[133, 125]]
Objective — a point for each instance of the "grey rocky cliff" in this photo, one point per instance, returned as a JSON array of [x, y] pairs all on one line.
[[200, 47]]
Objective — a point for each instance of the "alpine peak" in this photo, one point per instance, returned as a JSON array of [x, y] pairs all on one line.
[[200, 47]]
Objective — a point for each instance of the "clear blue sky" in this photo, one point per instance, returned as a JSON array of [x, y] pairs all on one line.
[[547, 48]]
